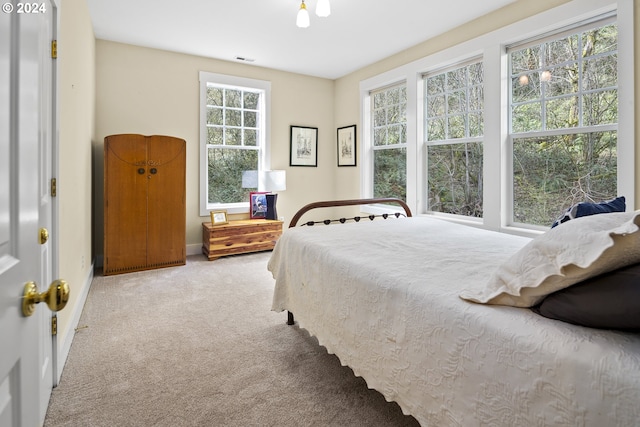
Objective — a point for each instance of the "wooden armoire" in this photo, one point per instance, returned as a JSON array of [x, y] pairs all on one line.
[[144, 202]]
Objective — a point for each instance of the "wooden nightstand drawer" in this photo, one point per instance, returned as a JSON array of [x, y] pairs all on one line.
[[239, 237]]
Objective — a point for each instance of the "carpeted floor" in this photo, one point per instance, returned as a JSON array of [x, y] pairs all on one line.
[[199, 346]]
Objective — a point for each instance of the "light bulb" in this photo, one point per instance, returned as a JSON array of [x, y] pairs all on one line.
[[323, 8], [302, 20]]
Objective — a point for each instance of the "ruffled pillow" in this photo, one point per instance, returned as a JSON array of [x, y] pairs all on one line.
[[582, 248], [585, 209]]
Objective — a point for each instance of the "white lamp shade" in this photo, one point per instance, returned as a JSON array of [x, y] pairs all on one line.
[[323, 8], [274, 180], [302, 20]]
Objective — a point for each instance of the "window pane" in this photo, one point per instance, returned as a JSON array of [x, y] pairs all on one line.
[[527, 117], [233, 136], [601, 108], [456, 79], [435, 128], [251, 100], [601, 40], [215, 116], [561, 81], [600, 72], [225, 169], [390, 173], [455, 179], [562, 50], [215, 136], [457, 128], [234, 98], [525, 87], [525, 59], [562, 113], [250, 119], [553, 173], [582, 65], [449, 98], [435, 85], [234, 118], [379, 118], [215, 96], [379, 136], [476, 125], [379, 100], [250, 137]]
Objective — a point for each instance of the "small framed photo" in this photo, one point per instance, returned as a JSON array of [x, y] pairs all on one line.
[[218, 217], [258, 205], [304, 146], [347, 146]]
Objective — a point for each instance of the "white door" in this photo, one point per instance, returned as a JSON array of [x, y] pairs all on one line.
[[26, 109]]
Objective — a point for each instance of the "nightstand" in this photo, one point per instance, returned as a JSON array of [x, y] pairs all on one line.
[[239, 237]]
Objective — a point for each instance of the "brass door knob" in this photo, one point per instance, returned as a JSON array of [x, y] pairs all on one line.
[[56, 297], [44, 235]]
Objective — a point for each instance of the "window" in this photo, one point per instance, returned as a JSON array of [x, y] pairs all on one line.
[[508, 140], [453, 128], [564, 115], [389, 129], [233, 128]]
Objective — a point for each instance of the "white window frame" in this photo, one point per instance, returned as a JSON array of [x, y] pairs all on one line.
[[544, 131], [264, 158], [496, 152], [389, 146], [448, 141]]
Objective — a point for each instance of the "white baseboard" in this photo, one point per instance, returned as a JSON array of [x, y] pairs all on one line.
[[194, 249], [63, 348]]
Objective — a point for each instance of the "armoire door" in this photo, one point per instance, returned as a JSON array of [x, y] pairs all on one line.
[[125, 200], [166, 205]]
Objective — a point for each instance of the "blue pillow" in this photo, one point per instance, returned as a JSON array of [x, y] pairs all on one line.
[[585, 209]]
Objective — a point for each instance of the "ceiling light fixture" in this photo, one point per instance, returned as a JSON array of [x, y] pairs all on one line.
[[323, 9], [302, 20]]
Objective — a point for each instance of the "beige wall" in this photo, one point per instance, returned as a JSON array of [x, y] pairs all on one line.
[[149, 91], [76, 100]]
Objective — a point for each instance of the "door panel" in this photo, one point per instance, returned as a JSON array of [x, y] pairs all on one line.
[[166, 201], [25, 136], [125, 192]]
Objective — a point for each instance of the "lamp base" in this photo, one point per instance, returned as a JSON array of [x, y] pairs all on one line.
[[271, 206]]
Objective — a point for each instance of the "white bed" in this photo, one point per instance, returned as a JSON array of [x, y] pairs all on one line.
[[384, 297]]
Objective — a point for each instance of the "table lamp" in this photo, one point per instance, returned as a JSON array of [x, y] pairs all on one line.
[[273, 181]]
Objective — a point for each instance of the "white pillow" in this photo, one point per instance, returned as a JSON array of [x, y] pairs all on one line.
[[565, 255]]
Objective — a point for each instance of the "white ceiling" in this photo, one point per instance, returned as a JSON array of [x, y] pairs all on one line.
[[356, 34]]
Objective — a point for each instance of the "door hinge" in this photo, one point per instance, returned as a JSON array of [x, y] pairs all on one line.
[[54, 325], [54, 49], [54, 188]]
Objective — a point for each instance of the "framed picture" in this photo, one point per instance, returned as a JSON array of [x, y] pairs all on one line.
[[258, 204], [304, 146], [218, 217], [347, 146]]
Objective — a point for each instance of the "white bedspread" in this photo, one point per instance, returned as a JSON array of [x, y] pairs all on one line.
[[383, 297]]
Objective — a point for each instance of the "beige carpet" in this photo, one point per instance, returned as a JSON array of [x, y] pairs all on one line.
[[198, 346]]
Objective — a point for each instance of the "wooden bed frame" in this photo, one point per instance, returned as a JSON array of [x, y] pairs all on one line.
[[338, 203]]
